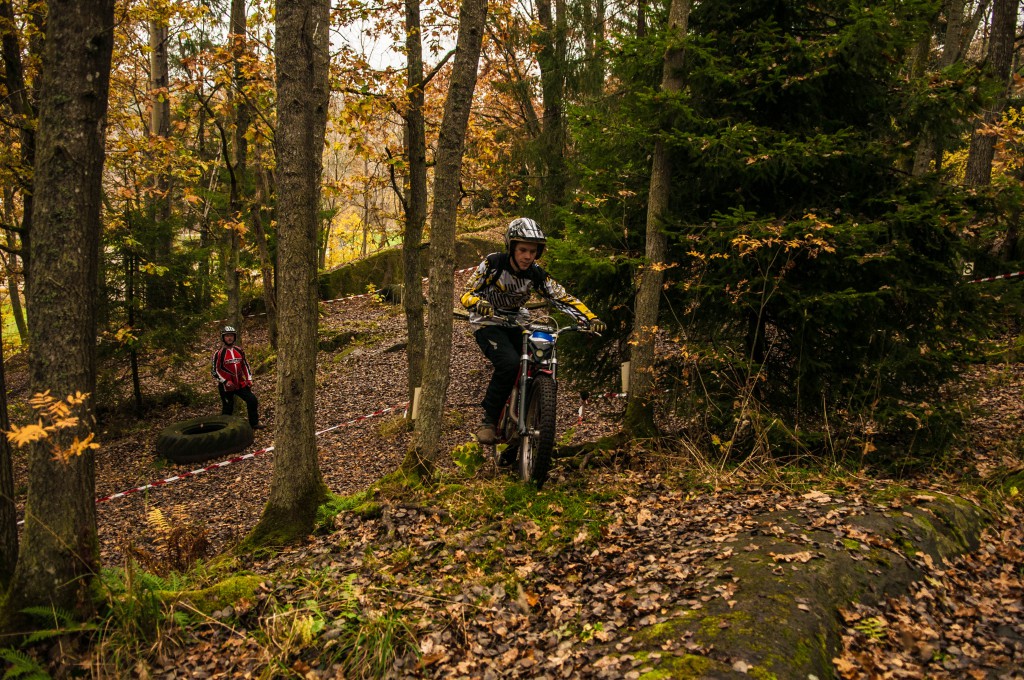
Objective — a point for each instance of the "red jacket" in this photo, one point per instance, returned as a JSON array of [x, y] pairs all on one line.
[[231, 369]]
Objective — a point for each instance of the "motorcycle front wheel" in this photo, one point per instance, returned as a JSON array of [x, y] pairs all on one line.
[[537, 444]]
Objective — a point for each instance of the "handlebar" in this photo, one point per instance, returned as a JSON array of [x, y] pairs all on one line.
[[546, 323]]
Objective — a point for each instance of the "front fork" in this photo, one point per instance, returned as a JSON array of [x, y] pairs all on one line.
[[521, 383], [524, 366]]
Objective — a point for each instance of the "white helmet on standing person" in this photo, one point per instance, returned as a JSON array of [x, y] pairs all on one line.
[[228, 330], [524, 230]]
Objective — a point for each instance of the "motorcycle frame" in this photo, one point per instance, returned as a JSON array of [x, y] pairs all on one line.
[[525, 376]]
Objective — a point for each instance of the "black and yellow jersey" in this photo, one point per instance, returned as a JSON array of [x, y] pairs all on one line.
[[508, 290]]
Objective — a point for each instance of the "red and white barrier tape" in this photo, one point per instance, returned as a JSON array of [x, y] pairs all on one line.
[[998, 278], [237, 459]]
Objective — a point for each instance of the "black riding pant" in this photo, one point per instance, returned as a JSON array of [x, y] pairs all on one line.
[[251, 403], [501, 346]]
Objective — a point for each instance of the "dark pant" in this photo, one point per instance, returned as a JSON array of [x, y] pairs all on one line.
[[228, 400], [502, 347]]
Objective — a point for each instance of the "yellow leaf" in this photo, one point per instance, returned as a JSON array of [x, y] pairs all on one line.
[[41, 400], [65, 423], [20, 436], [77, 448]]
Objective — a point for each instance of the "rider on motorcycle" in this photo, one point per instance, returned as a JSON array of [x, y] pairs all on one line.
[[502, 284]]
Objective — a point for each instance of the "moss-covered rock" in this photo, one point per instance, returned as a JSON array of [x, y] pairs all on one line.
[[332, 341], [383, 270]]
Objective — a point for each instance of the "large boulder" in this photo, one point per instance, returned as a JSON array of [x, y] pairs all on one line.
[[772, 610], [383, 270]]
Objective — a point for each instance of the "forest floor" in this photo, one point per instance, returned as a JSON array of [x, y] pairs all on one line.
[[567, 584]]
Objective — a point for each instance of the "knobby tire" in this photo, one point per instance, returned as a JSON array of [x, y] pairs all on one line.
[[535, 450]]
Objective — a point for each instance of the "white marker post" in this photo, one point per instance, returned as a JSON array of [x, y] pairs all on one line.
[[415, 402], [625, 377]]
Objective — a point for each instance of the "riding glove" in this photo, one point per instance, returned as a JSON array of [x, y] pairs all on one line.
[[598, 326], [484, 308]]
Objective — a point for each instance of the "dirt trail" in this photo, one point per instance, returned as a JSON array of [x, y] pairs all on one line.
[[353, 381]]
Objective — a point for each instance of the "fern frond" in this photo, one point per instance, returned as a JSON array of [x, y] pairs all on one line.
[[54, 615], [158, 522], [47, 634], [151, 582], [23, 666]]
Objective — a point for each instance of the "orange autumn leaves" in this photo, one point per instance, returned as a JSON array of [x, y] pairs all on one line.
[[54, 416]]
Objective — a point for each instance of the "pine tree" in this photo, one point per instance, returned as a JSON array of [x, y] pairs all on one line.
[[806, 274]]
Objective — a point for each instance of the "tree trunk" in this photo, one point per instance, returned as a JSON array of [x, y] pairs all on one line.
[[297, 488], [240, 161], [551, 59], [422, 455], [366, 206], [239, 51], [13, 276], [266, 260], [131, 263], [232, 279], [593, 38], [639, 420], [20, 99], [8, 510], [953, 42], [415, 198], [1000, 67], [160, 288], [928, 155], [59, 555]]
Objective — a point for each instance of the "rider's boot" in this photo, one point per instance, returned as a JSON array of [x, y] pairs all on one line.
[[487, 434]]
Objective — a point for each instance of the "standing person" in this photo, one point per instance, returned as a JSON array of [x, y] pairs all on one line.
[[503, 283], [234, 377]]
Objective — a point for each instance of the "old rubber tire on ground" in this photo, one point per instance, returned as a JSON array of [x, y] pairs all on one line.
[[199, 439]]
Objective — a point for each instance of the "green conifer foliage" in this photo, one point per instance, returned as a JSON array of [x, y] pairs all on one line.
[[813, 293]]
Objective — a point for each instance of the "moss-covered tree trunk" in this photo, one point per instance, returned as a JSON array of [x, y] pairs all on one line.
[[422, 454], [58, 555], [639, 420], [415, 197], [297, 486]]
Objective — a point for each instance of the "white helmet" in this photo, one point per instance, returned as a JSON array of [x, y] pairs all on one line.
[[228, 330], [524, 230]]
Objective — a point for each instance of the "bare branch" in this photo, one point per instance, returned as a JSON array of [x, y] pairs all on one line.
[[427, 78]]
